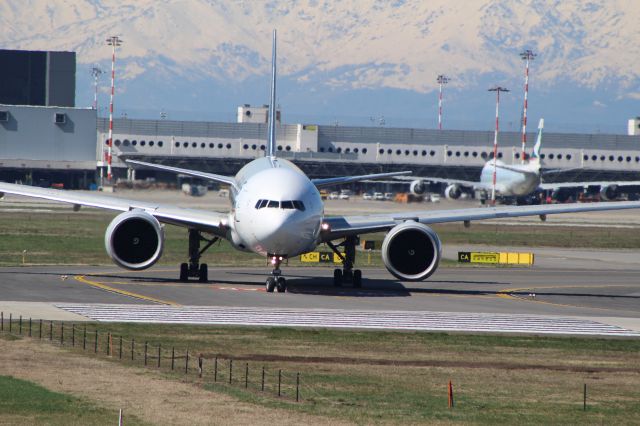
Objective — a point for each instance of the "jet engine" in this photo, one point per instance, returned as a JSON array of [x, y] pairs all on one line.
[[134, 240], [417, 187], [411, 251], [609, 192], [453, 192]]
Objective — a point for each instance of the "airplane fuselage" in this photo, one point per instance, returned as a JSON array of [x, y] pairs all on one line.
[[512, 180], [276, 209]]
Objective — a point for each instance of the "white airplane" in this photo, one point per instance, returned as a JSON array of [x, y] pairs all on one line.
[[516, 180], [277, 212]]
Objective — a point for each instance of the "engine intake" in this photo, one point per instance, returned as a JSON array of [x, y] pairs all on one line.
[[609, 192], [453, 192], [411, 251], [134, 240], [417, 187]]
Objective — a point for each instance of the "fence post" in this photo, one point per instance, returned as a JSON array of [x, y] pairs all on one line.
[[584, 406], [133, 346], [230, 370], [279, 381], [173, 357], [84, 339], [200, 366], [50, 330], [40, 330], [29, 326], [298, 387], [159, 353], [20, 327], [2, 321], [246, 375], [186, 363], [10, 322], [262, 387], [450, 395], [215, 369], [109, 345], [73, 335], [61, 334], [95, 343], [120, 356], [145, 352]]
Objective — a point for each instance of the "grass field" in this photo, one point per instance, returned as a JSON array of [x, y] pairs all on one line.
[[64, 237], [384, 377], [25, 403]]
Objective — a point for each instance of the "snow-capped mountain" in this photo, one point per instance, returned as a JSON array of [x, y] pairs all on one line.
[[349, 61]]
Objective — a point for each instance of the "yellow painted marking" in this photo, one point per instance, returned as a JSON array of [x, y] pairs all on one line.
[[83, 279]]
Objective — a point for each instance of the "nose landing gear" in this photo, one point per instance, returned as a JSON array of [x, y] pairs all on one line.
[[347, 273], [276, 281], [194, 269]]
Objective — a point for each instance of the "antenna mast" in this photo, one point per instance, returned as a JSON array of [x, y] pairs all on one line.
[[528, 56], [496, 89]]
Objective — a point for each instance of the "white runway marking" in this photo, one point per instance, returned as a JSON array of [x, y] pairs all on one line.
[[334, 318]]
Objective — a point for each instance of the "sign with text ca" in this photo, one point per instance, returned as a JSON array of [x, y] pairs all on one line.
[[320, 257]]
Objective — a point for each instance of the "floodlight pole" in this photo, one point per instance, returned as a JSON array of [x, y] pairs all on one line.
[[113, 41], [442, 80], [496, 89], [528, 56], [96, 72]]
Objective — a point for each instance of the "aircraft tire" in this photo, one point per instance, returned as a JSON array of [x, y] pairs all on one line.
[[281, 285], [184, 272], [203, 275], [357, 278], [270, 284], [337, 277]]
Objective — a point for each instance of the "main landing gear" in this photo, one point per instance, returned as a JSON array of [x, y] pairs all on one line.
[[194, 269], [347, 273], [276, 281]]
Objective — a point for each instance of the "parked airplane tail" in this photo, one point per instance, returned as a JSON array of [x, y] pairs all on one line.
[[271, 140], [538, 145]]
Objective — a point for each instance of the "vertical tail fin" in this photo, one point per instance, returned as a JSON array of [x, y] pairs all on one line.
[[271, 142], [538, 145]]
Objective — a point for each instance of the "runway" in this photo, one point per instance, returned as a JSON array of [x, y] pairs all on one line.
[[598, 301]]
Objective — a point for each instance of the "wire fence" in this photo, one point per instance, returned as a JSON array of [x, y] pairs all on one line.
[[211, 369]]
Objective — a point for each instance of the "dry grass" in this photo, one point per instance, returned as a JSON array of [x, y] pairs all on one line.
[[143, 393]]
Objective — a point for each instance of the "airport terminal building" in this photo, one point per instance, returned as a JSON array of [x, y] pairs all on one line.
[[45, 140]]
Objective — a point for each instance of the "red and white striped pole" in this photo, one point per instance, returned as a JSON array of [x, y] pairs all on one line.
[[496, 89], [528, 56], [113, 41], [442, 80]]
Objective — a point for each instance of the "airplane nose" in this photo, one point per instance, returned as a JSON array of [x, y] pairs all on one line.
[[279, 233]]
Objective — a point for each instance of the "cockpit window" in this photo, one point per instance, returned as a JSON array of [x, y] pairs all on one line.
[[289, 204]]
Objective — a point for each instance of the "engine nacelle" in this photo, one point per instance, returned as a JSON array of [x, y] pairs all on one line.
[[417, 187], [609, 192], [453, 192], [411, 251], [134, 240]]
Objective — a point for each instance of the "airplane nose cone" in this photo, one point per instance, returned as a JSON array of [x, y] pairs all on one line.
[[280, 233]]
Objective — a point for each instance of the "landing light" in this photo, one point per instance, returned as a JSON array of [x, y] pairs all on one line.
[[325, 226]]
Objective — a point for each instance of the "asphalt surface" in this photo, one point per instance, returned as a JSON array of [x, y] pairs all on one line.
[[613, 293]]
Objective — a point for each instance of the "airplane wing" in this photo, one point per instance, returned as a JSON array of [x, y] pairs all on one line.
[[203, 175], [206, 221], [346, 179], [342, 226], [461, 182], [560, 185]]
